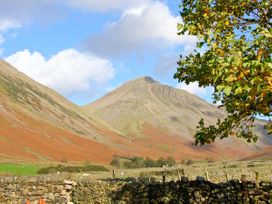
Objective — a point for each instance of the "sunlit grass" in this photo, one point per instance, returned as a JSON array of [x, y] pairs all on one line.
[[18, 169]]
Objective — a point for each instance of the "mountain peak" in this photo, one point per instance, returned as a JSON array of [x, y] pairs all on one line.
[[147, 79]]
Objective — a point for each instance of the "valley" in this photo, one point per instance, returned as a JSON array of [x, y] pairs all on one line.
[[140, 118]]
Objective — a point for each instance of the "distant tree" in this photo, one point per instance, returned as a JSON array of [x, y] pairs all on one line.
[[138, 162], [233, 55], [161, 162], [170, 161], [150, 162], [129, 164], [116, 161]]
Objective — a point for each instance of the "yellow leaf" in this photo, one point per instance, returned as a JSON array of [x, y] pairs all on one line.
[[214, 45], [230, 78], [241, 75]]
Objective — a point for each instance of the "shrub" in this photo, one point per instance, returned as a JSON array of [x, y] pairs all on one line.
[[94, 168], [150, 162], [70, 169], [129, 165], [160, 162], [140, 162], [116, 161], [170, 161]]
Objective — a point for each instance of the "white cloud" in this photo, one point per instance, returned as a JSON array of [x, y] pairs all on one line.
[[149, 27], [6, 24], [68, 71], [194, 88], [106, 5]]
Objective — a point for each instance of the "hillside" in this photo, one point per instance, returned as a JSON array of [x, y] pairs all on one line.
[[141, 117], [36, 123], [163, 119]]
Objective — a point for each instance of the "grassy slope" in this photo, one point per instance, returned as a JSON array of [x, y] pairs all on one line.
[[46, 126], [18, 169], [163, 119]]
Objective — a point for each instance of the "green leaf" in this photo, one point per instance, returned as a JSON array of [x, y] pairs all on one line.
[[230, 78], [237, 61], [227, 90], [220, 87], [179, 26], [239, 90]]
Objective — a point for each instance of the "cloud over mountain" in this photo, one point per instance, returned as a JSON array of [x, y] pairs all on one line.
[[67, 71], [195, 89], [148, 27]]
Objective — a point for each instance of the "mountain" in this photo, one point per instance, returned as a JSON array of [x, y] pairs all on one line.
[[140, 118], [38, 124], [161, 119]]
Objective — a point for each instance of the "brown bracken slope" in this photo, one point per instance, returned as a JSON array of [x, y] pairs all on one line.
[[37, 124], [162, 119], [142, 117]]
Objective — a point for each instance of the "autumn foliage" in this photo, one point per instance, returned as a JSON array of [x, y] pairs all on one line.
[[233, 55]]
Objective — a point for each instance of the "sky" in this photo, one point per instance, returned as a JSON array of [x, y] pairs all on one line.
[[86, 48]]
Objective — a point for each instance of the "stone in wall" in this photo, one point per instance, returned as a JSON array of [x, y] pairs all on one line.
[[62, 190]]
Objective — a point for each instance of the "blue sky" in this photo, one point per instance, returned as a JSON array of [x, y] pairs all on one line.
[[85, 48]]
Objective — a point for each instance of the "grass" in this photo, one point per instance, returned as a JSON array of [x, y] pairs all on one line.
[[32, 169], [72, 169], [216, 170], [18, 169]]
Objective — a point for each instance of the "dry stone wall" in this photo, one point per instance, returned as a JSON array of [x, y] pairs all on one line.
[[19, 190]]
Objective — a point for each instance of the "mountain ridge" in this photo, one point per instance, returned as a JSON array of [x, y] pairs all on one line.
[[146, 88], [57, 123], [141, 117], [142, 106]]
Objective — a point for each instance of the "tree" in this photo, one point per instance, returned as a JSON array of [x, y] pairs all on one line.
[[139, 162], [116, 161], [170, 161], [233, 55], [150, 162], [161, 162]]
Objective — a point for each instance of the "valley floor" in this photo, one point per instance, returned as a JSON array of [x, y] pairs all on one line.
[[212, 171], [128, 187]]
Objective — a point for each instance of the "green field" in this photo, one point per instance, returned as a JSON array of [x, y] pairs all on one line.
[[216, 171], [32, 169], [18, 169]]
